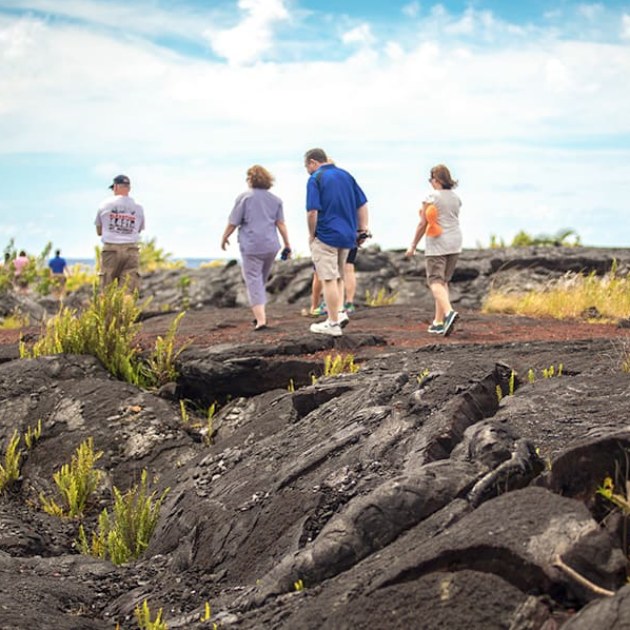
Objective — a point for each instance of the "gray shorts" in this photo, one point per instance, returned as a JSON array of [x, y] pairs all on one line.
[[440, 268], [329, 261]]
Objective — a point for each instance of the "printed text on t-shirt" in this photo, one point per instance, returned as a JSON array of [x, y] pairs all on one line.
[[122, 222]]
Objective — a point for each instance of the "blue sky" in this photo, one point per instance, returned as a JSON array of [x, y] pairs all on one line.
[[526, 102]]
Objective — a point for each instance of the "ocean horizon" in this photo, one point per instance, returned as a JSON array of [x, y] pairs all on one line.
[[189, 263]]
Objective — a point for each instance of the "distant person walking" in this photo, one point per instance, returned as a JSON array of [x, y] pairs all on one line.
[[20, 263], [58, 266], [439, 219], [119, 221], [259, 216], [337, 218]]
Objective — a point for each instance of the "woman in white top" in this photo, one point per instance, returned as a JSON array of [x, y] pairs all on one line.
[[439, 219]]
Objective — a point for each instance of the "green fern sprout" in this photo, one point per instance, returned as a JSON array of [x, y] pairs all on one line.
[[511, 383], [161, 362], [32, 435], [207, 613], [291, 387], [531, 375], [339, 364], [206, 616], [107, 329], [298, 585], [551, 371], [511, 387], [76, 482], [607, 490], [10, 469], [183, 412], [210, 423], [143, 617], [126, 534], [420, 378], [153, 257], [380, 298]]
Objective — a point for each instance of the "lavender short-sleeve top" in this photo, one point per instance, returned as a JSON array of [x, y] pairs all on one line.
[[255, 213]]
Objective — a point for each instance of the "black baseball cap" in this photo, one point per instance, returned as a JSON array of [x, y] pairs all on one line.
[[120, 179]]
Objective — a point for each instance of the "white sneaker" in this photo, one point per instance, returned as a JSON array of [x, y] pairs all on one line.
[[343, 319], [327, 328]]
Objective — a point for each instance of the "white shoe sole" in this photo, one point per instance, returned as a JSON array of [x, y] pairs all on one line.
[[331, 332]]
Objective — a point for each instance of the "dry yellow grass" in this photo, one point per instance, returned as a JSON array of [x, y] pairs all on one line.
[[575, 296]]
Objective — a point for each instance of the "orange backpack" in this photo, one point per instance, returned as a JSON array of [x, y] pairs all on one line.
[[433, 228]]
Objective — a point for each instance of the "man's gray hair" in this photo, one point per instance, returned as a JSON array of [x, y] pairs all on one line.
[[318, 155]]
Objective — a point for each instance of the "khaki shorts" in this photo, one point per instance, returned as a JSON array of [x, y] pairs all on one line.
[[120, 262], [329, 261], [440, 268]]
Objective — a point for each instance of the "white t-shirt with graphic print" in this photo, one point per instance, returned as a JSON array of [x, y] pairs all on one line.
[[121, 220]]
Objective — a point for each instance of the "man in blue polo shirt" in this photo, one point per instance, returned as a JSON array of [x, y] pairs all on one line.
[[337, 216], [58, 268]]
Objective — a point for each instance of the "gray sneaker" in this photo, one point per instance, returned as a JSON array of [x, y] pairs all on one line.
[[449, 320], [436, 329], [327, 328]]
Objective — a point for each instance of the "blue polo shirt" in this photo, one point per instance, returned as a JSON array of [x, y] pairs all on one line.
[[336, 196], [57, 264]]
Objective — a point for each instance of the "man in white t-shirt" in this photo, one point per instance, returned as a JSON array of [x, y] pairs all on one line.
[[119, 221]]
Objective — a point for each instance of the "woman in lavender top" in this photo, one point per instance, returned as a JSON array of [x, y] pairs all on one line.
[[258, 215]]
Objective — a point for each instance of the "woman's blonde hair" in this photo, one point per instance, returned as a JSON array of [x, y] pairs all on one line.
[[259, 177], [443, 175]]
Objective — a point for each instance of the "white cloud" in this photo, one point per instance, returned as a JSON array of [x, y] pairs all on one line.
[[359, 35], [625, 26], [590, 11], [465, 25], [557, 75], [394, 50], [513, 120], [253, 36], [138, 18], [411, 10], [18, 38]]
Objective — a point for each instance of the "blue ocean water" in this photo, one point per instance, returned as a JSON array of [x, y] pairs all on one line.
[[190, 263]]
